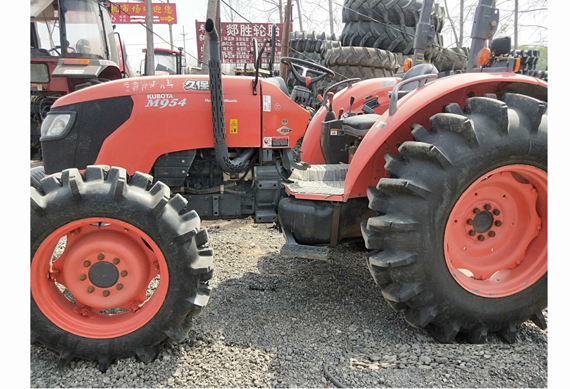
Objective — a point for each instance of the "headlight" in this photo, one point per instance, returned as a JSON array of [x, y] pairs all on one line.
[[56, 125]]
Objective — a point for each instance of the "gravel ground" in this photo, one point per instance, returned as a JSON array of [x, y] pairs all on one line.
[[279, 322]]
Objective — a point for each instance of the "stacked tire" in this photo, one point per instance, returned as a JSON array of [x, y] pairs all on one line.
[[529, 61]]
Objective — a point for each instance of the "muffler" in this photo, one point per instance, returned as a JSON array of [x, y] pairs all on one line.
[[227, 164]]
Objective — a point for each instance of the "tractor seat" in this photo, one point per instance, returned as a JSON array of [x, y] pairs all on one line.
[[359, 125], [280, 83], [417, 70]]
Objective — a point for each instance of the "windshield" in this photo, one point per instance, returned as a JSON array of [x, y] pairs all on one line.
[[84, 29], [165, 62]]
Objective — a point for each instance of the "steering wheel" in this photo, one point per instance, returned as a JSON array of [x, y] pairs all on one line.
[[306, 67]]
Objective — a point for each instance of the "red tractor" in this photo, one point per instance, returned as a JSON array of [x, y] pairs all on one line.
[[444, 178], [167, 62], [73, 45]]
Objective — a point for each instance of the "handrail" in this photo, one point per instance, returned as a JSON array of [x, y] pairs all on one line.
[[393, 107]]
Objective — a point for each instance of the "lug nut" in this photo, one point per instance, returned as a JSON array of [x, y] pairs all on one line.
[[82, 277], [87, 263], [491, 233], [90, 289], [498, 223], [119, 286], [156, 265], [476, 210], [116, 261], [106, 293], [496, 212], [481, 238], [124, 273], [470, 222], [472, 232], [488, 207], [101, 256]]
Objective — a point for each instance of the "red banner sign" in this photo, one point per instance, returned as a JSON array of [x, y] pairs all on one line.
[[237, 38], [128, 13]]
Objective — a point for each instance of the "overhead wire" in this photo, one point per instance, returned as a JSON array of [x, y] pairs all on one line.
[[154, 33]]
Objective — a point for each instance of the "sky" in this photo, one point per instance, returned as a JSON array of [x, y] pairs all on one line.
[[532, 25]]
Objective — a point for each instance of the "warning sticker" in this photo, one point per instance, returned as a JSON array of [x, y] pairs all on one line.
[[233, 126], [275, 142], [266, 103]]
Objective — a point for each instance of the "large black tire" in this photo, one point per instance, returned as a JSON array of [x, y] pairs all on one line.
[[36, 175], [454, 58], [414, 203], [327, 45], [109, 192], [310, 41], [362, 56], [398, 39], [398, 12], [362, 72]]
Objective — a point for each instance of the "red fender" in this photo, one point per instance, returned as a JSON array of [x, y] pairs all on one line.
[[386, 135]]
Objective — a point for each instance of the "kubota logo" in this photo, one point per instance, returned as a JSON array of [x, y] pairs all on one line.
[[196, 84]]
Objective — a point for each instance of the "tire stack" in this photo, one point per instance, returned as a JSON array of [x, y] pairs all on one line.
[[391, 25], [529, 60], [309, 46]]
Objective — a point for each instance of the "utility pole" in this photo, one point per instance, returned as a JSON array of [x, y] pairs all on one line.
[[149, 40], [516, 24], [285, 39], [170, 31], [211, 13], [184, 37], [461, 20], [300, 17], [331, 20]]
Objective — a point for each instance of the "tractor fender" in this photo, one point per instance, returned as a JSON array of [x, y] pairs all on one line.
[[389, 132]]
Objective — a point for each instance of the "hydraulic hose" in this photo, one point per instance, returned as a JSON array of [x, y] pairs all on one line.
[[227, 164]]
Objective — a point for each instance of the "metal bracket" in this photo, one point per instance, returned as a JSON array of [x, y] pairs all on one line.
[[335, 224]]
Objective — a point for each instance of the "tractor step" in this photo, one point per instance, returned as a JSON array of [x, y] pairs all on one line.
[[294, 249], [325, 180]]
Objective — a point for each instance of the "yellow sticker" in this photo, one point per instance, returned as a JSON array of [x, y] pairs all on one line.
[[233, 126]]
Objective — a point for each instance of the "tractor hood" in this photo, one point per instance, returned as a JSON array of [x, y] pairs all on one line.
[[131, 122]]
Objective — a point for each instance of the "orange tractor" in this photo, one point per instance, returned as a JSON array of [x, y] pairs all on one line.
[[444, 178]]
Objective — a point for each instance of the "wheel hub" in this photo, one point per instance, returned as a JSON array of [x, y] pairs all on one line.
[[495, 238], [103, 274], [483, 221]]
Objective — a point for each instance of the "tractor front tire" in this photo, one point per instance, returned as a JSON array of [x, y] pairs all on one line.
[[118, 268], [460, 238]]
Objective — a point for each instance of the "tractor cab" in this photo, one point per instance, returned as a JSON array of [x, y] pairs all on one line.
[[167, 62], [72, 45]]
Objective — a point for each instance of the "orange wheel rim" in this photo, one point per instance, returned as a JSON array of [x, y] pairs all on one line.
[[106, 264], [495, 239]]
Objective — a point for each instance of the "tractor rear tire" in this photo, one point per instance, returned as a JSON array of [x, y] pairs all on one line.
[[362, 56], [120, 234], [435, 258]]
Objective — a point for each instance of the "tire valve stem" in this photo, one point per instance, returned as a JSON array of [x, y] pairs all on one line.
[[136, 306]]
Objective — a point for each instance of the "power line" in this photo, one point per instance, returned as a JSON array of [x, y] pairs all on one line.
[[230, 7], [154, 33]]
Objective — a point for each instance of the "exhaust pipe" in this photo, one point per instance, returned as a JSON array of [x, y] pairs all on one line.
[[227, 164]]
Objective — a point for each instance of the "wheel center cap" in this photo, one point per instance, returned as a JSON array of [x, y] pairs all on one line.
[[103, 274], [483, 221]]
